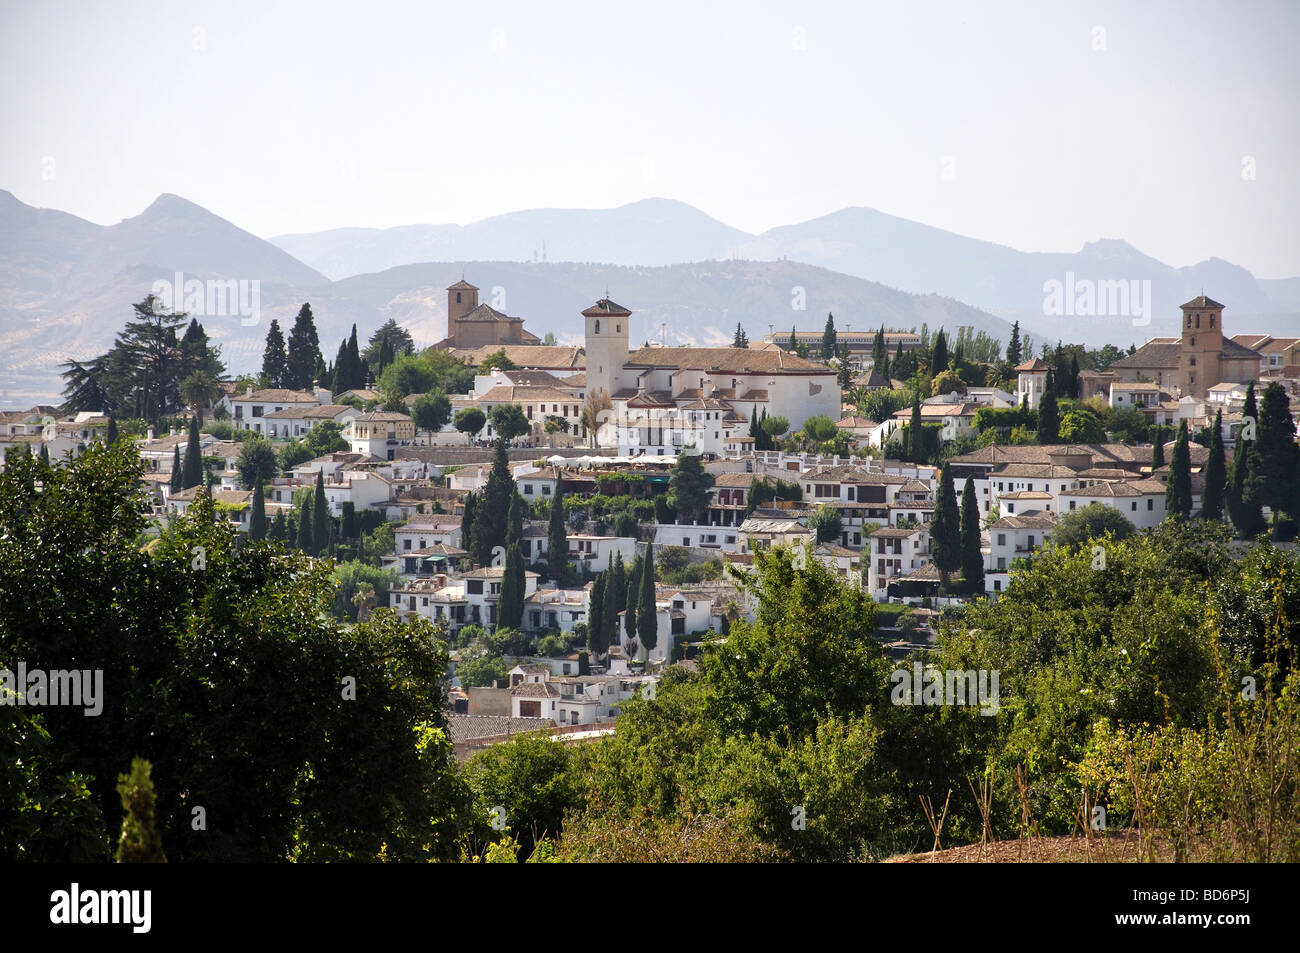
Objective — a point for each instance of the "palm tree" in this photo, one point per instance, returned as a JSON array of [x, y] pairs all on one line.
[[364, 599], [198, 390]]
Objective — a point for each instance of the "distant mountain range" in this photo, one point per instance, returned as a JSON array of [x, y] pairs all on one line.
[[861, 242], [66, 284]]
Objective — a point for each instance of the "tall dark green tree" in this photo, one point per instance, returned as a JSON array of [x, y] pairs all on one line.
[[257, 520], [320, 517], [741, 339], [1049, 417], [598, 636], [303, 357], [306, 538], [467, 523], [515, 520], [275, 362], [396, 337], [340, 375], [1276, 460], [355, 372], [110, 437], [510, 608], [1216, 474], [1243, 508], [688, 488], [557, 541], [178, 470], [279, 531], [972, 560], [493, 510], [828, 338], [915, 441], [945, 528], [879, 352], [385, 356], [1178, 491], [632, 597], [939, 356], [193, 474], [647, 617], [1157, 447], [1013, 346]]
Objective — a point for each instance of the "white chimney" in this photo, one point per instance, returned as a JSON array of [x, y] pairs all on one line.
[[149, 434]]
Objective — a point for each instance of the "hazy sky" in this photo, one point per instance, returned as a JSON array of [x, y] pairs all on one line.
[[1038, 125]]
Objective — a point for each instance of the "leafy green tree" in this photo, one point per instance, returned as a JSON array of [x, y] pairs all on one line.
[[1216, 476], [325, 437], [275, 363], [972, 559], [825, 522], [1128, 425], [190, 634], [510, 609], [1049, 420], [296, 452], [531, 779], [257, 462], [688, 488], [1178, 492], [139, 842], [819, 428], [470, 421], [431, 411], [481, 671], [647, 616], [1091, 522], [508, 421], [1082, 425]]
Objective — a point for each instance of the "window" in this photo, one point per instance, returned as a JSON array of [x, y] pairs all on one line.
[[1151, 504], [1002, 539], [406, 544], [1134, 506], [257, 410], [598, 325]]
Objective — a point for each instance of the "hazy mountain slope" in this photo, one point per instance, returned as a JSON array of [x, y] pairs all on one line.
[[650, 232]]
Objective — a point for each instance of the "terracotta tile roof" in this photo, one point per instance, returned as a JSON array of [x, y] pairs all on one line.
[[733, 360]]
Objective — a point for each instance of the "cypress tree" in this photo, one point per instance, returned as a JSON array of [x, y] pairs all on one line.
[[794, 340], [111, 437], [178, 472], [597, 633], [493, 510], [257, 522], [385, 355], [1049, 417], [354, 363], [279, 528], [275, 363], [515, 521], [1274, 465], [193, 474], [828, 340], [320, 518], [348, 527], [1243, 509], [939, 357], [1216, 474], [914, 443], [304, 363], [945, 528], [305, 538], [647, 617], [632, 597], [613, 598], [1013, 346], [510, 608], [1178, 492], [972, 561], [342, 376], [467, 523], [557, 542], [1157, 448]]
